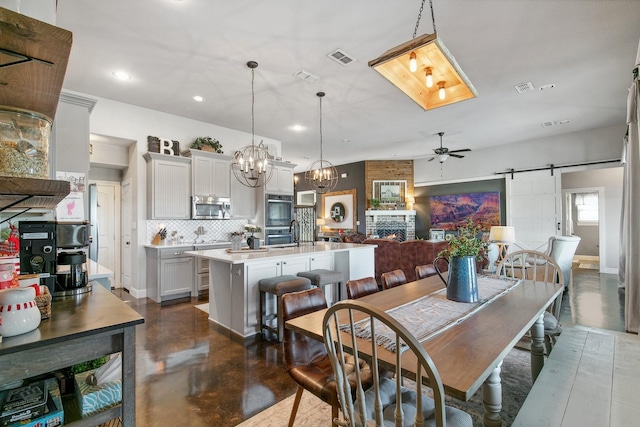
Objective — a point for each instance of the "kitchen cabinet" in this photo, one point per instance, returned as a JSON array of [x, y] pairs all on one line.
[[281, 181], [202, 268], [211, 174], [170, 273], [243, 200], [168, 184], [73, 336]]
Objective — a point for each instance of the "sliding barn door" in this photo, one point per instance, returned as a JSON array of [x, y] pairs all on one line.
[[534, 207]]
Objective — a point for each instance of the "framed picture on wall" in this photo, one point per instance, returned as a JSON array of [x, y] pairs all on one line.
[[389, 192]]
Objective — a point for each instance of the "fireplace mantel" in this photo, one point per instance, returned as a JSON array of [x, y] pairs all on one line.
[[395, 213]]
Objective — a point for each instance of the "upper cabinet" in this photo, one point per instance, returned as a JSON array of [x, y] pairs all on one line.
[[168, 185], [211, 174], [281, 181]]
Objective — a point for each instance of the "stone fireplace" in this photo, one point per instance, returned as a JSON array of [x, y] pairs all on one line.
[[398, 225]]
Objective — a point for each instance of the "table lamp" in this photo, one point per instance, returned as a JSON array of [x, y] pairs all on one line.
[[502, 235]]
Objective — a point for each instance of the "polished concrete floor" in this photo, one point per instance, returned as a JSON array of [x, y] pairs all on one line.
[[189, 373]]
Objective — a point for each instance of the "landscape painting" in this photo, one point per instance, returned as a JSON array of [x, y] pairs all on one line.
[[450, 211]]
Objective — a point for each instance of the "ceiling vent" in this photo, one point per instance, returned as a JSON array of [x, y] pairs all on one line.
[[548, 124], [341, 57], [524, 87], [306, 76]]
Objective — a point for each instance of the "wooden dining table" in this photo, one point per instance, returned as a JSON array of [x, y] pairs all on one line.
[[469, 353]]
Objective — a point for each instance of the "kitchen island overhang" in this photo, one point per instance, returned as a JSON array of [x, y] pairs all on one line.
[[233, 277]]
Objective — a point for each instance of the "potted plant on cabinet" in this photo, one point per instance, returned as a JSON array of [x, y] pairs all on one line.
[[206, 143], [375, 204]]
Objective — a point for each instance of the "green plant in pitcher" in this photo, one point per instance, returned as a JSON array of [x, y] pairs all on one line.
[[466, 243]]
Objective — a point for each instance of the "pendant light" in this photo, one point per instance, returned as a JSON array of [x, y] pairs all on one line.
[[322, 177], [251, 165], [414, 67]]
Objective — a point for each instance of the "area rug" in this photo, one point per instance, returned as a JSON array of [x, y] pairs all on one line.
[[203, 307], [313, 412]]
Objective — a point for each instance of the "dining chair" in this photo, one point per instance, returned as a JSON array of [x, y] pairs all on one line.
[[360, 287], [426, 270], [393, 278], [387, 402], [539, 268], [306, 359]]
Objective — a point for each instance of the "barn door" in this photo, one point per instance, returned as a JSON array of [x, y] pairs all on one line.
[[534, 207]]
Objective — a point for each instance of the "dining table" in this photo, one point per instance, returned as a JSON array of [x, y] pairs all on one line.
[[468, 352]]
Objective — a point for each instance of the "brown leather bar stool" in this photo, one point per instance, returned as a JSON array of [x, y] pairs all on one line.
[[278, 286], [322, 277]]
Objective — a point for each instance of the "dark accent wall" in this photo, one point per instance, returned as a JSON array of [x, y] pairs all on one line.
[[355, 178], [423, 218]]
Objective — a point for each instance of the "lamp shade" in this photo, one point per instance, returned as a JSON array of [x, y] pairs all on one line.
[[502, 234], [321, 221]]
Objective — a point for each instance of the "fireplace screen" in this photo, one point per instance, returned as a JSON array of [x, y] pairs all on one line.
[[394, 230]]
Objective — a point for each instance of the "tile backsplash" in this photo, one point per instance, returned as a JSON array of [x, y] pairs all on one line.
[[214, 229]]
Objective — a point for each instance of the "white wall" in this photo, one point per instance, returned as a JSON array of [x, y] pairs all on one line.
[[135, 123], [577, 147]]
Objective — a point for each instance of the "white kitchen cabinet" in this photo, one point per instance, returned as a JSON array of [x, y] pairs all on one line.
[[243, 200], [170, 273], [281, 181], [211, 173], [321, 261], [168, 186]]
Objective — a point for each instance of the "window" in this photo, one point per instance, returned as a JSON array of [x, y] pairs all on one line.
[[586, 208]]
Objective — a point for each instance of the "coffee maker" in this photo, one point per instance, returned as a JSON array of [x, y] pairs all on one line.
[[72, 246], [38, 251]]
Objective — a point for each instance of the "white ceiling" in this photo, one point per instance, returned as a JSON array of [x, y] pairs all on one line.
[[177, 49]]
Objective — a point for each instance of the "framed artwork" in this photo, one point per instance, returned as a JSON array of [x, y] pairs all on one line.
[[448, 212], [339, 210], [389, 192], [436, 234]]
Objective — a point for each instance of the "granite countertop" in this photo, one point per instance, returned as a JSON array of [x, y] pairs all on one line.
[[186, 245], [275, 251]]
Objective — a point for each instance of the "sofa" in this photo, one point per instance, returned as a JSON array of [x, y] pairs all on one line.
[[391, 255]]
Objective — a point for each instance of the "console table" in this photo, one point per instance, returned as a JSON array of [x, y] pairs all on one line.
[[81, 328]]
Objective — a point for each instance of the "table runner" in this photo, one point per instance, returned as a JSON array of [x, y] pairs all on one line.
[[433, 313]]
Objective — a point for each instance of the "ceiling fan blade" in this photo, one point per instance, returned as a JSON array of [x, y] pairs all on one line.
[[430, 159], [460, 151], [459, 156]]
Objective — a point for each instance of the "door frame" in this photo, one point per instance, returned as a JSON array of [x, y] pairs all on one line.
[[116, 283]]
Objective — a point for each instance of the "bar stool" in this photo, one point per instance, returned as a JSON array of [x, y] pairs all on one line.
[[322, 277], [278, 286]]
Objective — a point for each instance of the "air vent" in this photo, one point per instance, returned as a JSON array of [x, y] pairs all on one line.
[[548, 124], [524, 87], [306, 76], [341, 57]]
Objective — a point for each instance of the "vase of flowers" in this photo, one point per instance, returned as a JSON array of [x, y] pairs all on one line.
[[461, 255], [236, 240], [253, 241]]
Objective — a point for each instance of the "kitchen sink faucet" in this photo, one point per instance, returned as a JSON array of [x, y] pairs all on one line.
[[295, 226]]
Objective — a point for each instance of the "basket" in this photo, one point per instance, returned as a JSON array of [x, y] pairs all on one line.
[[43, 301]]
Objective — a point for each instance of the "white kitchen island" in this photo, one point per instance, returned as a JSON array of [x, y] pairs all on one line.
[[233, 277]]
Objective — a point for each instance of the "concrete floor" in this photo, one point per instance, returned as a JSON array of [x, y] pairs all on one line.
[[189, 373]]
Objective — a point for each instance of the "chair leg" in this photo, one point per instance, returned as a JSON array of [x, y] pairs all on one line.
[[296, 403], [334, 416]]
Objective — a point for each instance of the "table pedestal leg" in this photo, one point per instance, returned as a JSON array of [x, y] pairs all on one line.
[[537, 347], [492, 398]]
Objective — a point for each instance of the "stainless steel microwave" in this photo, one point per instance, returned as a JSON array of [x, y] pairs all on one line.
[[210, 207]]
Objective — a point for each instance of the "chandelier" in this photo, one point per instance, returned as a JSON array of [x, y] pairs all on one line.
[[251, 165], [425, 70], [322, 177]]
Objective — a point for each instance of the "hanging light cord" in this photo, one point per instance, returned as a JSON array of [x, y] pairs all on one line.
[[433, 19], [253, 101], [321, 130]]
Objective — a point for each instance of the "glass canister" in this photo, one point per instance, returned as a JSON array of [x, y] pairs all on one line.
[[24, 143]]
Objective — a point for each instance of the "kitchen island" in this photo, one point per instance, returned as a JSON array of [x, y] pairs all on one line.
[[233, 277]]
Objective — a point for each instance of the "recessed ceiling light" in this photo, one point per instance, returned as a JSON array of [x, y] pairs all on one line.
[[198, 98], [121, 75], [297, 128]]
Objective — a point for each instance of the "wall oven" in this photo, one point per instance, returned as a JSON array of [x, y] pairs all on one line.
[[278, 236], [278, 210]]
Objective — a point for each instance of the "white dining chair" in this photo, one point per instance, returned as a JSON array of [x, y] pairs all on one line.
[[387, 402]]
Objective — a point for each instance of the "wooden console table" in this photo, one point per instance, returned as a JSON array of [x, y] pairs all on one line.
[[81, 328]]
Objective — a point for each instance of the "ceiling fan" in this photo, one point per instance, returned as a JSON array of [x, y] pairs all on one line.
[[443, 153]]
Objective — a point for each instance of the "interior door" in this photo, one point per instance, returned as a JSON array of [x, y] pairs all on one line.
[[108, 217], [126, 200], [534, 207]]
